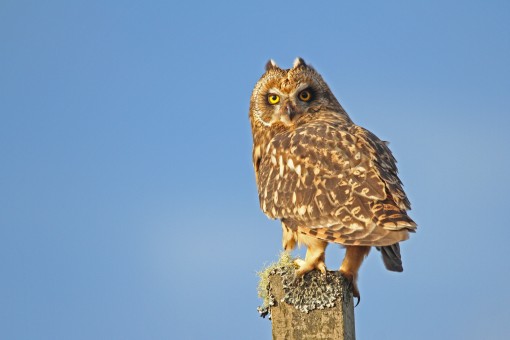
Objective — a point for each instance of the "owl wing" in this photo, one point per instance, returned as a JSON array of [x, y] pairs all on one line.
[[335, 182]]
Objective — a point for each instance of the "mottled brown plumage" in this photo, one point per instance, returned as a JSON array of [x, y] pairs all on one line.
[[325, 178]]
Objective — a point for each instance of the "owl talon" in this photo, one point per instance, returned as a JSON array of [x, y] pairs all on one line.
[[352, 284], [322, 267]]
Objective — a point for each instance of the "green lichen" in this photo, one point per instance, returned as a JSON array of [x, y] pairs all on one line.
[[312, 291], [285, 262]]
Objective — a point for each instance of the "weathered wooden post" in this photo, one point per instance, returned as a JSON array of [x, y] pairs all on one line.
[[335, 322], [316, 306]]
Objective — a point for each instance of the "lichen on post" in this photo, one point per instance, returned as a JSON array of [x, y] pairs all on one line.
[[316, 306]]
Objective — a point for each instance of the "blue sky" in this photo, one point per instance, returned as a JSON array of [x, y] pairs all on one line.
[[128, 207]]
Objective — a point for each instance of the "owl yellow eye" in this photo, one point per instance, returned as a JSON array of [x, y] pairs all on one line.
[[305, 95], [273, 99]]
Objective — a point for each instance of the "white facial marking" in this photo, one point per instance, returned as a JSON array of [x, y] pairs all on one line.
[[260, 120], [301, 87], [274, 90]]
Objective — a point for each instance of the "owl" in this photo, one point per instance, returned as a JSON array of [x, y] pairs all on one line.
[[325, 178]]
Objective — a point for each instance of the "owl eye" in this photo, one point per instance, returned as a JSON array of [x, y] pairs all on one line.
[[273, 99], [305, 95]]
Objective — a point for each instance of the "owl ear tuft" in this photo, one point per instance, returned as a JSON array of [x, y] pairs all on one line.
[[299, 62], [271, 64]]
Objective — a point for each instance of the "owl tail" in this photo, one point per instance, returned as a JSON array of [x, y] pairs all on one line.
[[391, 257]]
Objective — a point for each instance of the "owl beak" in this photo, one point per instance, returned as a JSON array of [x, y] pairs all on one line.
[[291, 111]]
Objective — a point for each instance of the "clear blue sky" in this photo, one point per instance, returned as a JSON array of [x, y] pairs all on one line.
[[128, 207]]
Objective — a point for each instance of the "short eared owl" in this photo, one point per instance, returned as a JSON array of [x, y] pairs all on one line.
[[324, 177]]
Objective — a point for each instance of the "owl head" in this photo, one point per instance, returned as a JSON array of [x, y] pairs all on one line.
[[285, 98]]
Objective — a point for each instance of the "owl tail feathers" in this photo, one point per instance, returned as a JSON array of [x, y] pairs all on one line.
[[391, 257]]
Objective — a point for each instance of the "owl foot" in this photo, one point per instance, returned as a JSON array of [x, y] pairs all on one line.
[[314, 258], [351, 279], [307, 266], [354, 256]]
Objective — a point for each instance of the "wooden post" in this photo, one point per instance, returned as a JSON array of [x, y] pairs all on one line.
[[330, 322]]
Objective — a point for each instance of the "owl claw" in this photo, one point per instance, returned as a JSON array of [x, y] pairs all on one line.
[[352, 284], [322, 267]]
